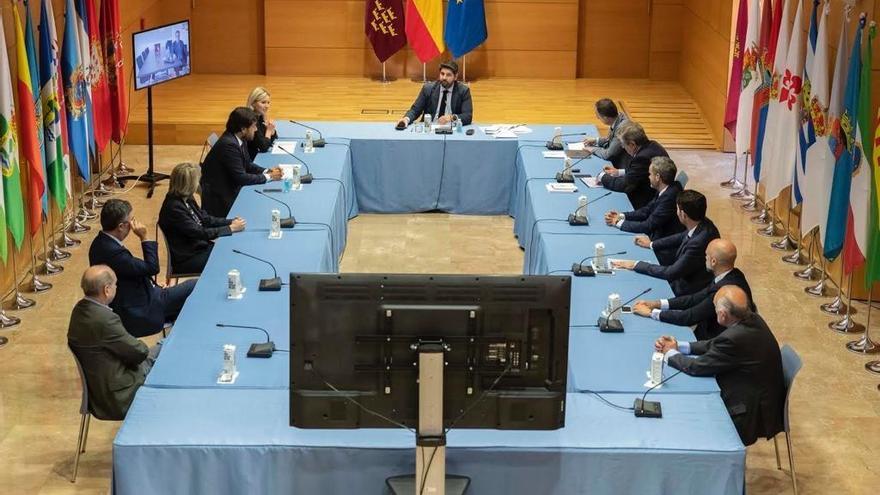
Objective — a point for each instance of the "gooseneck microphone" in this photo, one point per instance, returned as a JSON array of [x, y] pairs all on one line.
[[307, 178], [257, 349], [267, 284], [286, 223], [317, 143], [574, 219], [650, 409], [613, 325], [567, 170], [580, 270], [556, 145]]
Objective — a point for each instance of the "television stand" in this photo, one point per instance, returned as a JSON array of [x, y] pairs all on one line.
[[150, 177], [430, 435]]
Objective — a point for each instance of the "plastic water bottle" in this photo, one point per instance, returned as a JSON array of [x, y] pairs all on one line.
[[427, 123], [275, 232], [286, 184], [310, 144], [295, 178], [458, 126], [599, 255], [582, 206]]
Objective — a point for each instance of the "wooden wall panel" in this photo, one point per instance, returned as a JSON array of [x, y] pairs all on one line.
[[614, 38], [227, 35], [665, 40]]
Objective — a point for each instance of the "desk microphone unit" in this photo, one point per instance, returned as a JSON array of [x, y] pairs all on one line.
[[286, 223], [266, 284], [257, 349], [613, 325]]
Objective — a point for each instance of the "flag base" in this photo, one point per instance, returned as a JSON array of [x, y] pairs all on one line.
[[7, 321], [47, 268], [835, 307], [817, 290], [732, 183], [863, 346], [873, 367], [787, 243], [846, 325], [808, 273], [67, 241], [36, 286], [795, 258], [19, 303]]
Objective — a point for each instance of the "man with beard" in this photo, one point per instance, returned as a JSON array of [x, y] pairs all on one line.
[[445, 99]]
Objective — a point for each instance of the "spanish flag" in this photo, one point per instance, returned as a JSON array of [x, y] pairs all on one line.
[[424, 28]]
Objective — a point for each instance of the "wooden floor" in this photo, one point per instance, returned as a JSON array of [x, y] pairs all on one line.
[[668, 113]]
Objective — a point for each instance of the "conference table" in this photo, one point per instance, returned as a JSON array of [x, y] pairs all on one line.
[[186, 433]]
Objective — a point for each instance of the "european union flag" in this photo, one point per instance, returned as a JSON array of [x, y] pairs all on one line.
[[465, 26]]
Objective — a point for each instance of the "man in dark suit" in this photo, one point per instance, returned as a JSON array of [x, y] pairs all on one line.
[[115, 363], [698, 309], [658, 218], [687, 272], [745, 361], [228, 165], [633, 178], [143, 306], [608, 147], [446, 99]]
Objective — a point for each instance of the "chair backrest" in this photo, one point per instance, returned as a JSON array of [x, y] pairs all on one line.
[[682, 177], [210, 141], [84, 404], [791, 365], [168, 272]]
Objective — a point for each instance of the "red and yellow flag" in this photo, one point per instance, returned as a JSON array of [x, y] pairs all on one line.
[[424, 28], [28, 125]]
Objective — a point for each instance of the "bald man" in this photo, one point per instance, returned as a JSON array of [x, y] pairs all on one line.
[[115, 363], [745, 361], [698, 309]]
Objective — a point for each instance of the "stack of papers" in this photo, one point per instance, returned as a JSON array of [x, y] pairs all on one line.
[[576, 146], [505, 130], [563, 188], [554, 154], [284, 147], [591, 182]]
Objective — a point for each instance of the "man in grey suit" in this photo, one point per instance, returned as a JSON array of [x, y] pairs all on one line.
[[609, 147], [446, 99], [115, 363]]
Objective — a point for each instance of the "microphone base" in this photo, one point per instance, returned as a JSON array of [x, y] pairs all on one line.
[[564, 179], [581, 270], [261, 350], [319, 143], [270, 285], [647, 409], [306, 179], [610, 326], [288, 223], [554, 146], [575, 220]]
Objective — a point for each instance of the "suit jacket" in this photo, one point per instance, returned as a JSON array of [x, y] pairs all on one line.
[[698, 308], [658, 218], [138, 300], [747, 364], [429, 99], [226, 169], [609, 147], [687, 273], [189, 229], [111, 358], [260, 143], [635, 182]]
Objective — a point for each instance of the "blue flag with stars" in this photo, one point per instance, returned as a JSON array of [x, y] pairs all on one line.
[[465, 26]]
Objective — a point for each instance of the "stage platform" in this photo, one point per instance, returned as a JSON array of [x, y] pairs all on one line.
[[187, 110]]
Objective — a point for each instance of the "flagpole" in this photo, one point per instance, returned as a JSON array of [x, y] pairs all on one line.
[[18, 302], [846, 324], [836, 306], [36, 285], [733, 182], [424, 73], [464, 68], [787, 243], [865, 345], [809, 272], [743, 193], [770, 229], [818, 290], [384, 79], [56, 253], [797, 257], [75, 226]]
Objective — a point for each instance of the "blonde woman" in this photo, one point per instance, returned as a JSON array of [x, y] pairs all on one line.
[[190, 230], [259, 101]]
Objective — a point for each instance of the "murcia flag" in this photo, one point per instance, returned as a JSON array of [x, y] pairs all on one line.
[[385, 27]]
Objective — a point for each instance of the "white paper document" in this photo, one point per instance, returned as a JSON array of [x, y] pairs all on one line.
[[505, 130], [284, 147], [563, 188], [576, 146], [591, 182], [554, 154]]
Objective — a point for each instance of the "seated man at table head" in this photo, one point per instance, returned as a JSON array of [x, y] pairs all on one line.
[[685, 251], [445, 99], [115, 363], [259, 101], [143, 306], [188, 229], [659, 217], [228, 165], [745, 361], [633, 178], [608, 147], [698, 308]]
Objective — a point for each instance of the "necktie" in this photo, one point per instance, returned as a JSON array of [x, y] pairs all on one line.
[[442, 111]]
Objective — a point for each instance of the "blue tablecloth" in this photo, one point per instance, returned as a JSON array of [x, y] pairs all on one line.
[[236, 441]]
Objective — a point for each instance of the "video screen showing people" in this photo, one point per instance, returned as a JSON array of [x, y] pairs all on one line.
[[161, 54]]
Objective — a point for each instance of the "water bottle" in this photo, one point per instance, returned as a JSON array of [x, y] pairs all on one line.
[[599, 255], [613, 304], [582, 206], [296, 178], [427, 123], [458, 126], [287, 184], [275, 232], [310, 144]]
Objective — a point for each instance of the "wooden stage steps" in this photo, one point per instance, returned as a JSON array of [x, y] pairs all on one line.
[[187, 110]]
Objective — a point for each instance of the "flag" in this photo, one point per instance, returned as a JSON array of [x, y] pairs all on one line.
[[97, 72], [118, 91], [850, 155], [13, 204], [769, 130], [384, 27], [825, 113], [855, 242], [85, 60], [28, 129], [765, 77], [51, 107], [734, 87], [872, 270], [75, 93], [424, 28], [465, 26], [749, 82], [34, 68], [806, 133]]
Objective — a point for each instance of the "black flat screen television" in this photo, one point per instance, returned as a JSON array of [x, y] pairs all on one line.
[[505, 340], [161, 54]]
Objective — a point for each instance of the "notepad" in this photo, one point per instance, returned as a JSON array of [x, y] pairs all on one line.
[[554, 154], [562, 188], [591, 182], [284, 147]]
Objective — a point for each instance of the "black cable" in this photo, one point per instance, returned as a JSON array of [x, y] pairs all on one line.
[[606, 401], [559, 271], [283, 350], [532, 238], [442, 172], [344, 197], [329, 229]]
